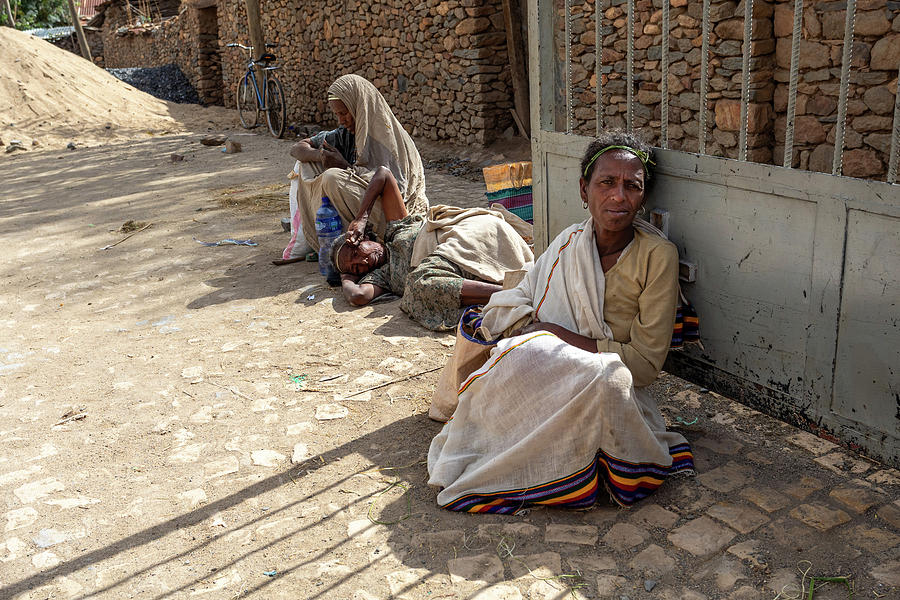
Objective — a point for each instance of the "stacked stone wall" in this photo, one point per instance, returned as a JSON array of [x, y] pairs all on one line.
[[188, 40], [441, 65], [873, 83]]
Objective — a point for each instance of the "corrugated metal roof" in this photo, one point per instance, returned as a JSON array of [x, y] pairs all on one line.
[[50, 33], [88, 8]]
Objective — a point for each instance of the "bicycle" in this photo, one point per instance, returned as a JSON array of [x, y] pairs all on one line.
[[250, 101]]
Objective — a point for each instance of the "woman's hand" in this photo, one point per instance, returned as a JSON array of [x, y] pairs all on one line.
[[536, 326], [331, 158], [570, 337], [356, 231]]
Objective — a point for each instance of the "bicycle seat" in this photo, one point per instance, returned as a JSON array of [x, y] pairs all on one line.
[[267, 58]]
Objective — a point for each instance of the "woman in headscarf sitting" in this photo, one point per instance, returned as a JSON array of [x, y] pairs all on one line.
[[439, 262], [341, 163], [560, 409]]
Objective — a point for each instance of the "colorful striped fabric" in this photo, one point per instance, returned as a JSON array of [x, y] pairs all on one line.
[[626, 483]]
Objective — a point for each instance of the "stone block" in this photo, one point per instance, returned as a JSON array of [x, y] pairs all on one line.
[[821, 105], [889, 513], [723, 570], [821, 159], [749, 551], [652, 560], [861, 163], [789, 535], [472, 25], [736, 516], [701, 536], [887, 573], [886, 53], [483, 568], [727, 478], [500, 591], [840, 462], [624, 536], [880, 100], [808, 130], [820, 516], [866, 538], [544, 565], [654, 515], [765, 497], [608, 585], [585, 535]]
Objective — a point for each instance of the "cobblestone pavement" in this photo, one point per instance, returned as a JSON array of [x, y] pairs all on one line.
[[190, 422]]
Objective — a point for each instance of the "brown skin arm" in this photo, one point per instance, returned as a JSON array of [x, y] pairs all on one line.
[[384, 186], [570, 337], [327, 156], [476, 292], [359, 294]]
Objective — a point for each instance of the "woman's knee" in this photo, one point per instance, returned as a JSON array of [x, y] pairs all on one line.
[[332, 180]]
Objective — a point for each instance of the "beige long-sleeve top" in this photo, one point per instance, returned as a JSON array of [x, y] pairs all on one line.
[[639, 305]]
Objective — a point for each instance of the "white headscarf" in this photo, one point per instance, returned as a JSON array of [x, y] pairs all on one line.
[[380, 138]]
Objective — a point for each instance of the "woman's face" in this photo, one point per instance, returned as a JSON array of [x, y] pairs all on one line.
[[615, 191], [359, 260], [343, 115]]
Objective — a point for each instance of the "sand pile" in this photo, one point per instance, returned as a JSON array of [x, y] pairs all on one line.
[[55, 97]]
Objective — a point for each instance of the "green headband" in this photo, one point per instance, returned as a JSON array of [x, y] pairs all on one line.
[[644, 157]]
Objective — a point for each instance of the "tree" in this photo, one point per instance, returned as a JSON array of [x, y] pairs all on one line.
[[30, 14]]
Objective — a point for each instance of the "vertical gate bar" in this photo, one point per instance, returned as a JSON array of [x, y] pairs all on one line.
[[895, 138], [664, 98], [598, 62], [541, 67], [629, 66], [745, 80], [792, 87], [568, 30], [837, 164], [704, 78]]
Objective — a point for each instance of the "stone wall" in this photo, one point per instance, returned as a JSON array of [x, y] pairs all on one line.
[[876, 58], [189, 40], [441, 65]]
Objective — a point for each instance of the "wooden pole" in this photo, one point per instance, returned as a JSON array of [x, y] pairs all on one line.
[[255, 28], [9, 15], [79, 32], [515, 48]]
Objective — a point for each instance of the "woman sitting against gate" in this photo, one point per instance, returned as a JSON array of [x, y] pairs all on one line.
[[560, 409], [439, 262], [340, 163]]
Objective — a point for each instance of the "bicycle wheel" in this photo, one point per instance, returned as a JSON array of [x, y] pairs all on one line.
[[245, 98], [275, 109]]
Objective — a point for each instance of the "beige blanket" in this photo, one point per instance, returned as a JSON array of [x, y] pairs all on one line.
[[484, 242]]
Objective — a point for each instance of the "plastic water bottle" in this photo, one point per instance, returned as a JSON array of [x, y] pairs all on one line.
[[328, 228]]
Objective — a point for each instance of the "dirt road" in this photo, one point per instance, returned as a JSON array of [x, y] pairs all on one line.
[[182, 421]]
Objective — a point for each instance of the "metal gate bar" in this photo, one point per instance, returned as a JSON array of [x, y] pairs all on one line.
[[745, 80], [704, 78], [629, 60], [895, 137], [836, 165], [570, 104], [664, 97], [598, 62], [792, 88]]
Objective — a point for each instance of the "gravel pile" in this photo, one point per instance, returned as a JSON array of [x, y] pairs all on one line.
[[460, 167], [166, 82]]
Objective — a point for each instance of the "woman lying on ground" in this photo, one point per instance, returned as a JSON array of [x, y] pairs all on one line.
[[439, 262], [340, 163], [560, 409]]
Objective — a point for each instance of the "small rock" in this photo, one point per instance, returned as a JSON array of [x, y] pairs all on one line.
[[35, 143], [327, 412], [214, 140], [176, 158], [15, 145], [231, 147], [300, 453], [266, 458], [71, 146], [649, 584]]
